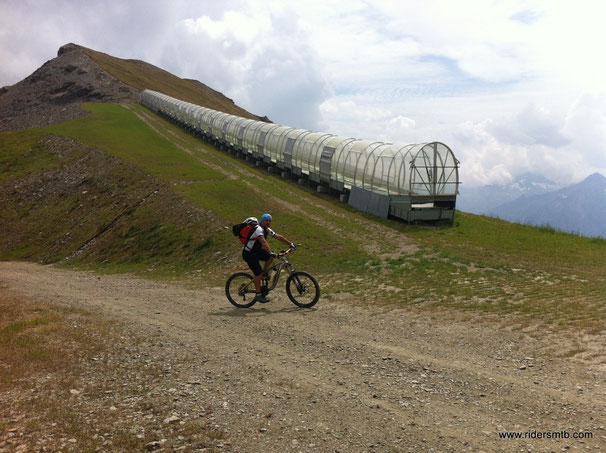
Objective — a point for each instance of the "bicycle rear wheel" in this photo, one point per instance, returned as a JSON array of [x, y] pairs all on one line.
[[240, 290], [302, 289]]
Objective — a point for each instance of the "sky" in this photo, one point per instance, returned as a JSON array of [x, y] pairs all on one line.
[[511, 86]]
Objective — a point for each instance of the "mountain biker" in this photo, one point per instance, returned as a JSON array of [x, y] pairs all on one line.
[[257, 249]]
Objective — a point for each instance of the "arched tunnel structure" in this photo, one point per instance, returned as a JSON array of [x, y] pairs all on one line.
[[409, 182]]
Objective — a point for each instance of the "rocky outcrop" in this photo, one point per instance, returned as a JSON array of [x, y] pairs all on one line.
[[53, 92]]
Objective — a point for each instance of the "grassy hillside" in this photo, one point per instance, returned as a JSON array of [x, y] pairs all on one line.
[[207, 180], [66, 201], [142, 75], [481, 265]]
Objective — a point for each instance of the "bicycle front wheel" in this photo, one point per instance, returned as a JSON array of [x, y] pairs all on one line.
[[240, 290], [302, 289]]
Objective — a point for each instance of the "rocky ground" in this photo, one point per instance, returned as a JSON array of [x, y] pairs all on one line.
[[52, 94], [189, 372]]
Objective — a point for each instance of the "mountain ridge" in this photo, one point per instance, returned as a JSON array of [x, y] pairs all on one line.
[[486, 199], [535, 200], [142, 75], [52, 93], [579, 208]]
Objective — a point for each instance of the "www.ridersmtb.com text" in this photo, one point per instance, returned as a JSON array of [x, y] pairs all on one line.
[[546, 435]]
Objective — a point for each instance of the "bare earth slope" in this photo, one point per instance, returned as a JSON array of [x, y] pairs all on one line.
[[341, 377], [52, 94]]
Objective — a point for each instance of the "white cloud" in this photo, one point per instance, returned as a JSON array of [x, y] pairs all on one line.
[[257, 56], [233, 25], [563, 148], [401, 122], [586, 122], [534, 125], [509, 86], [343, 115]]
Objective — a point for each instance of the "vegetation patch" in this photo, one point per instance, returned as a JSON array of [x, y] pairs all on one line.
[[118, 131], [22, 155], [167, 208], [92, 208], [492, 266]]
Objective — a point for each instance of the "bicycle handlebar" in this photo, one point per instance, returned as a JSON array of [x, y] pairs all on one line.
[[286, 252]]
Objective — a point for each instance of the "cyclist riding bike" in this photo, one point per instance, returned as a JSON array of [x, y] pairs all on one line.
[[257, 249]]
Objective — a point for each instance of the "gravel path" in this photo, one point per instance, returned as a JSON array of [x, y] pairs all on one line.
[[344, 377]]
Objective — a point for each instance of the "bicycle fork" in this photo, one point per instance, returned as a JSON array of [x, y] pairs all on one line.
[[301, 289]]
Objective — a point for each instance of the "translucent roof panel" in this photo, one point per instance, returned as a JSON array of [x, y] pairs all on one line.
[[272, 149], [233, 128], [304, 151], [292, 134], [376, 169], [424, 170], [351, 162], [248, 140], [263, 132]]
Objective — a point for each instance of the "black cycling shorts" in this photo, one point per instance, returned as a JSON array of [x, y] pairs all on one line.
[[252, 259]]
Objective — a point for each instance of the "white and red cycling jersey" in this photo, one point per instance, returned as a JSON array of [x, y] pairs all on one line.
[[259, 231]]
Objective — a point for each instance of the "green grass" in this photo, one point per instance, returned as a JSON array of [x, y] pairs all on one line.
[[120, 132], [492, 266], [148, 241], [496, 243], [323, 251], [47, 225], [117, 130], [480, 264], [22, 154]]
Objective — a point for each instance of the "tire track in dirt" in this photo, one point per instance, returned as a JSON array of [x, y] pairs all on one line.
[[344, 377]]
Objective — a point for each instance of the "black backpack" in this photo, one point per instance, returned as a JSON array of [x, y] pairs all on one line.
[[244, 230]]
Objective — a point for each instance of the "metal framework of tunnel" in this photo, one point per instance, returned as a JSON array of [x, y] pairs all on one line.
[[410, 182]]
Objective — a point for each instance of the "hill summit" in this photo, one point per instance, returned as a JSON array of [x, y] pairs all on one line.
[[53, 92]]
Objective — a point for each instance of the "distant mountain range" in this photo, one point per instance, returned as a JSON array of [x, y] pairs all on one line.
[[534, 200], [487, 199]]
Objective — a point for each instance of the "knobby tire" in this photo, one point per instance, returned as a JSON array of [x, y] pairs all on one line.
[[233, 286], [301, 286]]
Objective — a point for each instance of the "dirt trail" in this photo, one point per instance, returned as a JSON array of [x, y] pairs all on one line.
[[341, 377]]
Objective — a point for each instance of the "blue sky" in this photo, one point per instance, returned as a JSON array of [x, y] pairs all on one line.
[[511, 86]]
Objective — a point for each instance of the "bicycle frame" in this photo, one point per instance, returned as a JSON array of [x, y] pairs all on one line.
[[301, 287], [282, 264]]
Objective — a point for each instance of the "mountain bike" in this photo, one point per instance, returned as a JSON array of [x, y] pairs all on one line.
[[301, 287]]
